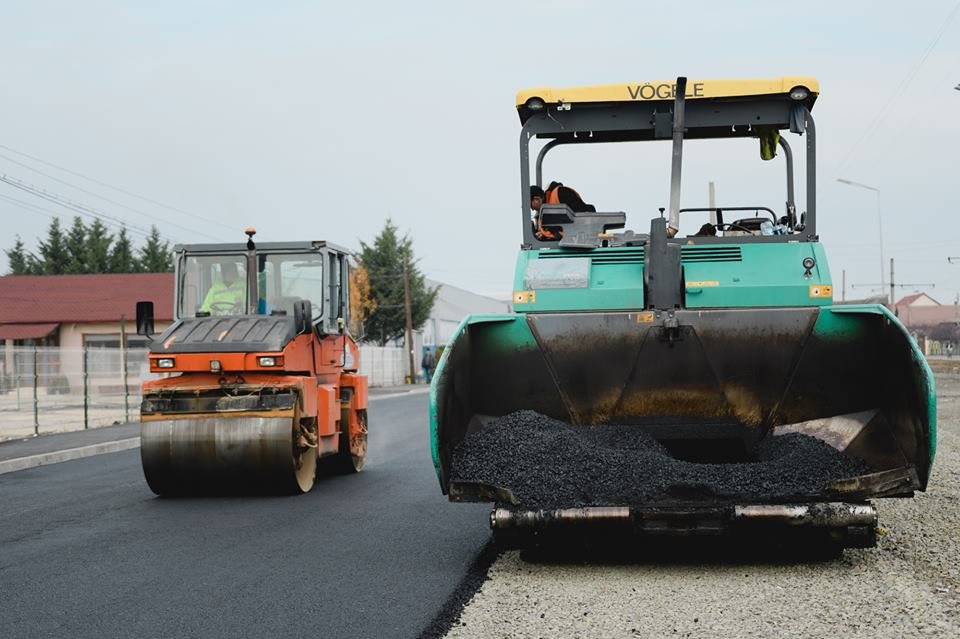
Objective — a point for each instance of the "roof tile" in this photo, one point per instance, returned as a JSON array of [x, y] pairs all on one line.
[[83, 298]]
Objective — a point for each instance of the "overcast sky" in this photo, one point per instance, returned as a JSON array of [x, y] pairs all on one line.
[[318, 120]]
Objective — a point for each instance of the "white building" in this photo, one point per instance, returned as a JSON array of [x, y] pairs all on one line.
[[451, 306]]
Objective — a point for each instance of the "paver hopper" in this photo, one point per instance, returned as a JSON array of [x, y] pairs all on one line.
[[712, 344]]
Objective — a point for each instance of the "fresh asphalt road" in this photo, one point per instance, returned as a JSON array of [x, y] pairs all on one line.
[[86, 550]]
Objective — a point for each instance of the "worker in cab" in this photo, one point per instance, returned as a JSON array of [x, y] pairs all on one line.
[[556, 193], [228, 295], [537, 197]]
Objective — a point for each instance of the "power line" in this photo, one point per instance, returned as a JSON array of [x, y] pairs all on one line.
[[898, 92], [69, 204], [33, 208], [28, 207], [150, 217], [114, 188]]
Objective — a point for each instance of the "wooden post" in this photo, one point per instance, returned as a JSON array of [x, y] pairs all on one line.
[[123, 367], [86, 388], [36, 401]]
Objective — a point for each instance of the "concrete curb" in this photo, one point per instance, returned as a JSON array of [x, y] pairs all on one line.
[[43, 459]]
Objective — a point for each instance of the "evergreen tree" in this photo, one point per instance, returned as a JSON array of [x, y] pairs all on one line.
[[21, 262], [54, 250], [99, 240], [121, 255], [384, 262], [155, 255], [77, 247], [90, 249]]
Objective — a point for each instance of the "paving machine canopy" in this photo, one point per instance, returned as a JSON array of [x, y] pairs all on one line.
[[646, 111]]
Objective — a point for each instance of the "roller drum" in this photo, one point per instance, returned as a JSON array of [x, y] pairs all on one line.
[[215, 454]]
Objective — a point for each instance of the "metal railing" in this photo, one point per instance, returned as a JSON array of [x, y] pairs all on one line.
[[57, 389]]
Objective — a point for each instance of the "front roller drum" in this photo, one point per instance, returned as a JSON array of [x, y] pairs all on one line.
[[216, 454]]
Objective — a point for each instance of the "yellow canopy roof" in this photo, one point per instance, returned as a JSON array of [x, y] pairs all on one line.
[[664, 90]]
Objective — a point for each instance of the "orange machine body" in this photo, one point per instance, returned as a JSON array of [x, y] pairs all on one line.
[[329, 396]]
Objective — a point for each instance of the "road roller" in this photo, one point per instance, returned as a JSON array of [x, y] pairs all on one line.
[[695, 376], [258, 388]]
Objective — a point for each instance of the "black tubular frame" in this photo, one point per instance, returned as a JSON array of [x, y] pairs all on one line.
[[598, 123]]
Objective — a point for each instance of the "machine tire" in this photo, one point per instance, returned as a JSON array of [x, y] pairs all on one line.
[[345, 461], [305, 472]]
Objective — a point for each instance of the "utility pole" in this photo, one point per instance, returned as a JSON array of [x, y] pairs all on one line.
[[123, 367], [950, 260], [891, 283], [409, 313], [843, 290]]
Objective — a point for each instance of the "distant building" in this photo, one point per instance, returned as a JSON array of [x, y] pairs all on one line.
[[922, 311], [451, 306], [72, 311]]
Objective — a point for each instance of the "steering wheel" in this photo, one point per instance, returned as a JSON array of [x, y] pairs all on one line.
[[225, 307]]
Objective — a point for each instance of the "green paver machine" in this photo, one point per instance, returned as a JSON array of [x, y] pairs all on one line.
[[728, 334]]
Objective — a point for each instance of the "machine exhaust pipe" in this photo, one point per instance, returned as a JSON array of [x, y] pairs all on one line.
[[679, 104]]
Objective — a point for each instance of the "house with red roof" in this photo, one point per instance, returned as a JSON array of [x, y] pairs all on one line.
[[72, 311], [919, 310]]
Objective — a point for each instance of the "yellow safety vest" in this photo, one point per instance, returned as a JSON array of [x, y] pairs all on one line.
[[222, 294]]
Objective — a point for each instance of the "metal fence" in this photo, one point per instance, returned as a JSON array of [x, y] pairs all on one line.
[[54, 389], [938, 348]]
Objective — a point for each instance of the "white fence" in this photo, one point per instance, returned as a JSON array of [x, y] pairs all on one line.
[[52, 389], [383, 365]]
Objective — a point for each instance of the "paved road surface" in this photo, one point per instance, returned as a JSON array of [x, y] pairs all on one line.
[[86, 550]]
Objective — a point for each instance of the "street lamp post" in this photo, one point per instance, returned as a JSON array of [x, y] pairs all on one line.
[[879, 222]]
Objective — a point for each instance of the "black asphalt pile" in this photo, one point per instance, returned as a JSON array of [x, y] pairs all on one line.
[[551, 464]]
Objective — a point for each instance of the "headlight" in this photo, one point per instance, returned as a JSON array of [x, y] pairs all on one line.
[[535, 104], [269, 360], [799, 93], [165, 362]]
